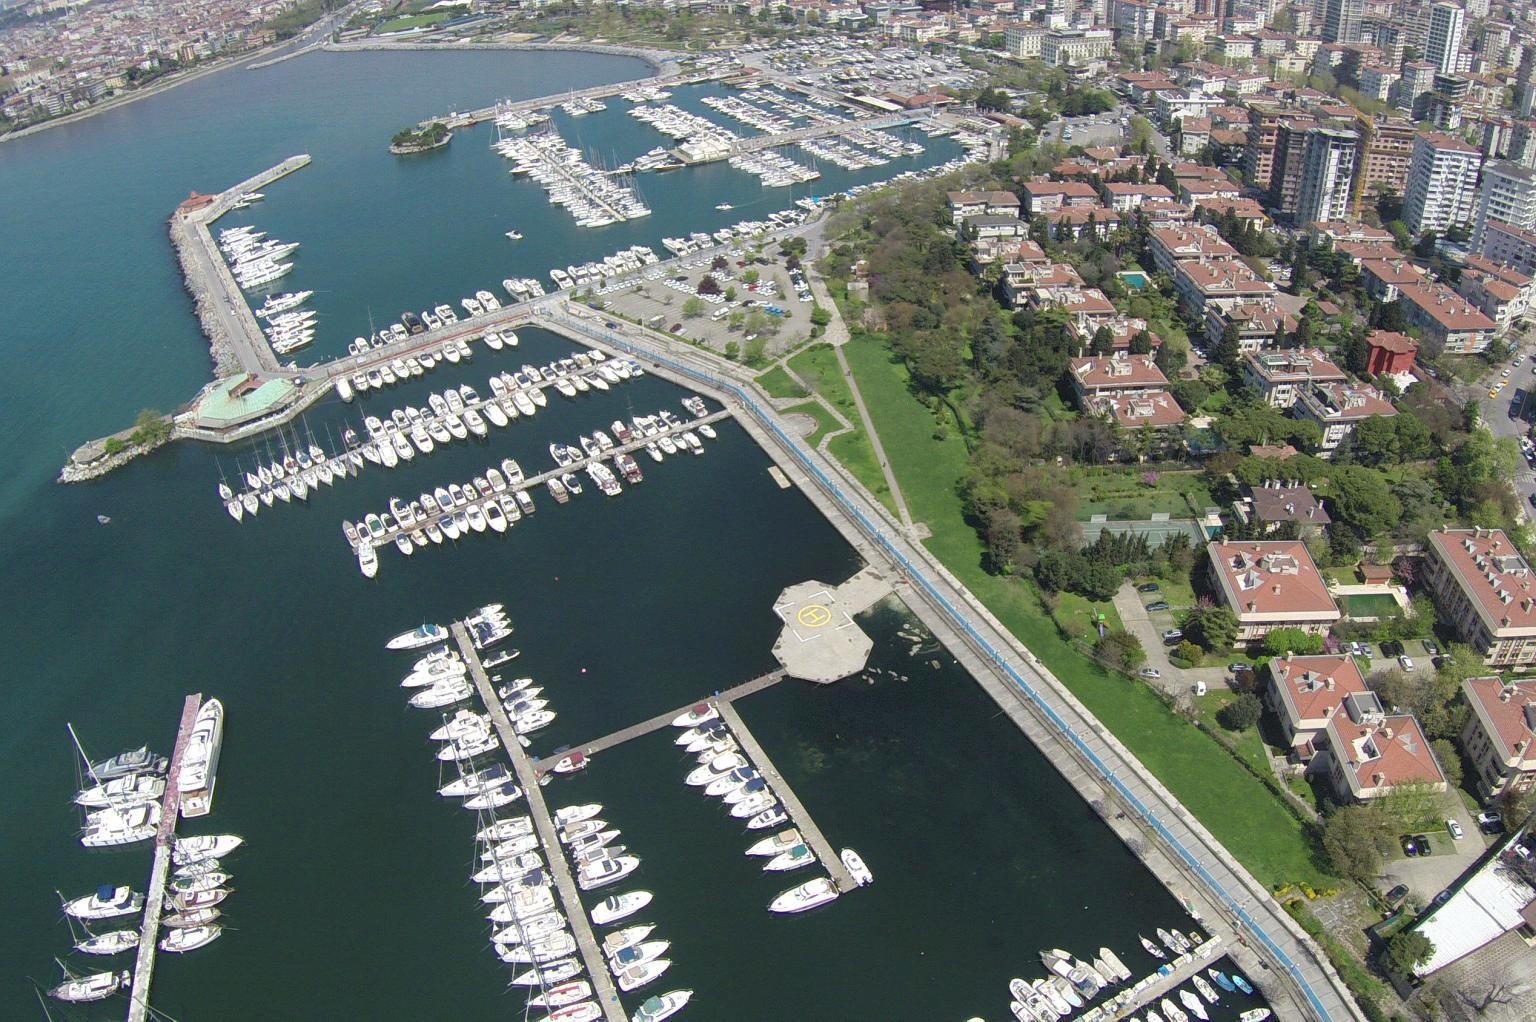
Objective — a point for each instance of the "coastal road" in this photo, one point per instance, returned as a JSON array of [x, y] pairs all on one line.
[[1176, 846]]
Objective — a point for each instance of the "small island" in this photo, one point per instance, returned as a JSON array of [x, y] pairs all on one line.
[[420, 140]]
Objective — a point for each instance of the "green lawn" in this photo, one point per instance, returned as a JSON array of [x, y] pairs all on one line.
[[1249, 746], [1378, 605], [825, 423], [413, 21], [779, 383], [1229, 801], [1078, 614], [817, 366]]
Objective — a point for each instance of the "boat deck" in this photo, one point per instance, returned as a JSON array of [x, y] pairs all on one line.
[[154, 897], [662, 720], [815, 840], [554, 854]]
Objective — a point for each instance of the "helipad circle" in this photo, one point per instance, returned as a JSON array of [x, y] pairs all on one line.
[[813, 615]]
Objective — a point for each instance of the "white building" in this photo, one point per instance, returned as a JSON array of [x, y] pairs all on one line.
[[1328, 167], [1442, 45], [1076, 48], [1508, 196], [1442, 183]]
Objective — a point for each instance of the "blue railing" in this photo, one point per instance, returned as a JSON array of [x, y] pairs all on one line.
[[962, 622]]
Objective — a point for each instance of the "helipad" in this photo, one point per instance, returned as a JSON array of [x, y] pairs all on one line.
[[820, 641]]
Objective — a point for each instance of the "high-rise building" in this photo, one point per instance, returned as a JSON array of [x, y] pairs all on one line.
[[1508, 195], [1341, 21], [1327, 171], [1418, 78], [1386, 149], [1259, 153], [1525, 83], [1442, 45], [1285, 173], [1442, 183]]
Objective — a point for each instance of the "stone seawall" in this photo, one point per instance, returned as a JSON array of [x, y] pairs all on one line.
[[220, 349]]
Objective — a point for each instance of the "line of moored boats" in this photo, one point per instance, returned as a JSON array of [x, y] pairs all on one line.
[[530, 930], [724, 772]]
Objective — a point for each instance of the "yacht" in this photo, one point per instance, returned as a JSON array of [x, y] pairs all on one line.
[[562, 995], [127, 790], [767, 818], [494, 798], [576, 814], [422, 635], [698, 714], [444, 693], [620, 906], [190, 938], [1192, 1002], [854, 863], [637, 976], [95, 987], [663, 1006], [109, 827], [777, 843], [1255, 1015], [794, 858], [502, 830], [206, 846], [754, 804], [719, 766], [809, 895], [198, 771], [111, 943], [600, 874], [135, 761], [553, 972], [739, 791], [107, 903]]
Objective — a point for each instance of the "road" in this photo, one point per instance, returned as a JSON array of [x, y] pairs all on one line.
[[1510, 414]]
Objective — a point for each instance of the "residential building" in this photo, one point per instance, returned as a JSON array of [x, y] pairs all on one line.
[[1511, 246], [1446, 318], [1097, 375], [1199, 281], [1076, 47], [1153, 409], [1289, 159], [1385, 153], [1271, 584], [1305, 692], [968, 204], [1418, 78], [1390, 353], [1485, 592], [1500, 735], [1442, 46], [1023, 40], [1341, 20], [1261, 323], [1277, 503], [1281, 376], [1171, 245], [1384, 276], [1502, 294], [986, 226], [1042, 195], [1442, 183], [1365, 752], [1508, 195], [1338, 408], [1328, 171], [1124, 197]]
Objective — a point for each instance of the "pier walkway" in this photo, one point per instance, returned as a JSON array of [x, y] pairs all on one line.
[[1150, 988], [463, 119], [662, 720], [782, 138], [554, 853], [154, 896], [809, 832]]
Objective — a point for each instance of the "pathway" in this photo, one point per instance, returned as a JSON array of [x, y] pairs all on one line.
[[874, 439]]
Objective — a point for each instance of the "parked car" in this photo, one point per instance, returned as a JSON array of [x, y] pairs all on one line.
[[1158, 605], [1431, 647], [1393, 648], [1150, 673], [1424, 846], [1520, 850], [1490, 823], [1172, 635], [1406, 663], [1454, 829], [1442, 897], [1397, 894], [1410, 846], [1148, 587]]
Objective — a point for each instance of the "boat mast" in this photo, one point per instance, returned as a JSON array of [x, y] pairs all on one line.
[[81, 750]]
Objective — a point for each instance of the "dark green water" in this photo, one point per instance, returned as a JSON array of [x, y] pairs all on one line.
[[352, 901]]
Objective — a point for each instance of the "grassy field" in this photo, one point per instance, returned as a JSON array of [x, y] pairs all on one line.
[[412, 21], [1229, 801], [1368, 605], [779, 383], [825, 423], [817, 366]]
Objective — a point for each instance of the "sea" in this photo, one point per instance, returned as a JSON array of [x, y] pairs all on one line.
[[351, 897]]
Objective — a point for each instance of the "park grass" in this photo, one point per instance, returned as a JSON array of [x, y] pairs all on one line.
[[825, 423], [779, 383], [412, 21], [817, 366], [1231, 803]]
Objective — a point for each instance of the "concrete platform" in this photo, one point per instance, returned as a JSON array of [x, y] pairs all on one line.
[[821, 642]]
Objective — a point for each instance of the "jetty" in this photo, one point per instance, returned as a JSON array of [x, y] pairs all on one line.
[[466, 118], [154, 896], [1148, 989], [554, 853], [662, 720], [814, 839]]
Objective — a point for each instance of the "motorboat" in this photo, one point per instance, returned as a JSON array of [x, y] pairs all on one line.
[[780, 842], [113, 942], [443, 693], [743, 791], [571, 763], [767, 818], [193, 917], [123, 791], [107, 903], [578, 831], [754, 804], [463, 724], [717, 767], [1242, 984], [190, 938], [1152, 949], [1206, 990], [1172, 1011], [197, 773], [1255, 1015], [1221, 980], [202, 899], [510, 847], [201, 882], [525, 904], [421, 635], [809, 895], [494, 798], [607, 871], [509, 874], [662, 1006], [854, 864], [134, 761], [794, 858], [734, 781], [713, 727], [586, 1011], [556, 945], [1116, 966], [560, 996], [620, 906], [637, 976], [628, 937], [696, 715], [477, 781], [97, 986], [576, 814], [206, 846], [468, 747], [109, 827], [505, 830]]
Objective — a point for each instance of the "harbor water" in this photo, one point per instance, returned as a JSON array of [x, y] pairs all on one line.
[[352, 899]]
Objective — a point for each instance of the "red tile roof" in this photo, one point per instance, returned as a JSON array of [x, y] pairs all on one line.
[[1120, 372], [1314, 687], [1493, 574], [1377, 755], [1153, 408], [1272, 582], [1506, 713]]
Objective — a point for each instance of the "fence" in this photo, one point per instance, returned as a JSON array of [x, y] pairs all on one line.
[[960, 621]]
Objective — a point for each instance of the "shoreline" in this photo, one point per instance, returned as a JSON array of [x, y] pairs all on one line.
[[654, 59]]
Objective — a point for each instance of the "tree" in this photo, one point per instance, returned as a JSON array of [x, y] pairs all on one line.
[[1141, 343], [1242, 713], [1103, 342], [820, 316], [750, 277], [1212, 628], [1411, 805], [1363, 502], [150, 427], [693, 307], [709, 286], [1450, 762], [1355, 838], [1190, 653], [1406, 950], [720, 262], [1292, 640], [1121, 650]]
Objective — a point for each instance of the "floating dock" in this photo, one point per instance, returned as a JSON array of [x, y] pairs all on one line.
[[662, 720], [1150, 988], [575, 914], [463, 119], [814, 839], [154, 896]]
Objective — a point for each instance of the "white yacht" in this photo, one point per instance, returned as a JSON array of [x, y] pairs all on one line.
[[662, 1006], [854, 863], [809, 895], [794, 858], [108, 827], [190, 938], [206, 846], [107, 903], [576, 814], [422, 635], [198, 771], [562, 995], [637, 976], [111, 943], [130, 789], [607, 871], [620, 906], [554, 972], [95, 987], [505, 830]]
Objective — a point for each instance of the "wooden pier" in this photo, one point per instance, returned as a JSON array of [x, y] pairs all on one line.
[[811, 834], [154, 896], [1150, 988], [661, 720], [554, 853]]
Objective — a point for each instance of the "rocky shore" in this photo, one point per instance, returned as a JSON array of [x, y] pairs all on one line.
[[220, 350]]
